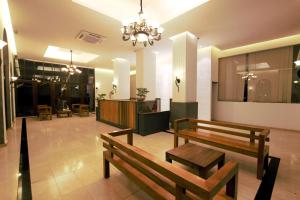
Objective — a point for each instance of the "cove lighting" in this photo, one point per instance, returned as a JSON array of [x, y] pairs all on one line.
[[2, 44], [163, 11], [64, 54], [102, 70]]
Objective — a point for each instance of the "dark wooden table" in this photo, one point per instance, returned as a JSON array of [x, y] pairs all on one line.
[[62, 113], [200, 158]]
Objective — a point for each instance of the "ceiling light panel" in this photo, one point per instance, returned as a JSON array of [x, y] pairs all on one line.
[[161, 11], [64, 54]]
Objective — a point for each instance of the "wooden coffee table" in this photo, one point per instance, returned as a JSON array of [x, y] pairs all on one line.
[[64, 113], [200, 158]]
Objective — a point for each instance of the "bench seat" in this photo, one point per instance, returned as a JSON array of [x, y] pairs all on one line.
[[229, 143]]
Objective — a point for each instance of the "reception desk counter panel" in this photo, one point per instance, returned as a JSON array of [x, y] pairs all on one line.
[[119, 113]]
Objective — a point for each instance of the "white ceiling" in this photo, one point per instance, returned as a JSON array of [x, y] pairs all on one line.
[[222, 23]]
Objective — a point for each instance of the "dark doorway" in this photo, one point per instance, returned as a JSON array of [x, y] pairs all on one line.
[[44, 97], [24, 92]]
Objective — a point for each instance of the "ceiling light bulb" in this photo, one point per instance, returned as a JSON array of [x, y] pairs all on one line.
[[141, 37], [2, 44], [123, 30], [132, 38], [297, 63]]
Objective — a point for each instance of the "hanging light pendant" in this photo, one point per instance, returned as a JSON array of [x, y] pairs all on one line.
[[71, 69], [141, 30]]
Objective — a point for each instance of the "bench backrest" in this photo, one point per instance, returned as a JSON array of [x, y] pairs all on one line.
[[177, 181], [240, 130], [44, 109]]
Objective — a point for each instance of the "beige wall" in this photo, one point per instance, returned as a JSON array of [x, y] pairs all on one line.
[[103, 81], [133, 86]]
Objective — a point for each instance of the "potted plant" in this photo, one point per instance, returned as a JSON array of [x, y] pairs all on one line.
[[141, 93], [101, 96]]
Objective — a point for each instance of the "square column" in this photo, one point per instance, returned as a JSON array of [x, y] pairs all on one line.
[[146, 72], [121, 78], [184, 78]]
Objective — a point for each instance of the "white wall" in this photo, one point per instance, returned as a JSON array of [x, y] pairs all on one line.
[[204, 83], [164, 80], [103, 80], [277, 115], [146, 72], [121, 79]]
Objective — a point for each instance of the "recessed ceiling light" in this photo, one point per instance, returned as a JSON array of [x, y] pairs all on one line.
[[64, 54]]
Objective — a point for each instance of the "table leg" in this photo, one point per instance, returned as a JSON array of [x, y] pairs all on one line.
[[221, 162], [168, 159], [203, 173]]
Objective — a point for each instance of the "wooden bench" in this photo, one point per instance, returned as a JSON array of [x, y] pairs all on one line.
[[44, 111], [81, 109], [162, 180], [230, 136]]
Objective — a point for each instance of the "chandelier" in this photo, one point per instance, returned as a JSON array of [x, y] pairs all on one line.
[[71, 69], [249, 76], [141, 30]]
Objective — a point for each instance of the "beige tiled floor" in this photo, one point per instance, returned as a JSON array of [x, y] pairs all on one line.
[[66, 162]]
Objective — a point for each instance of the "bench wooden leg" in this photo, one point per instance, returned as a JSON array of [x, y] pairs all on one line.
[[175, 140], [260, 167], [106, 168], [231, 187]]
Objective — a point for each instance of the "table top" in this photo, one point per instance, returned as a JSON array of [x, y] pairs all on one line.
[[196, 154]]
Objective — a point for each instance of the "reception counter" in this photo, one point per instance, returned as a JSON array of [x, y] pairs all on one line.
[[137, 115], [120, 113]]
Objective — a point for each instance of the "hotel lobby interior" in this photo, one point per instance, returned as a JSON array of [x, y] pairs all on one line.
[[141, 100]]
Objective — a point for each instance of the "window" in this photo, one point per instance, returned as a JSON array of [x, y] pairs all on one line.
[[265, 76]]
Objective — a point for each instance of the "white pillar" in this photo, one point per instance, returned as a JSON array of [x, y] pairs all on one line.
[[184, 101], [146, 72], [121, 78], [207, 72], [185, 67]]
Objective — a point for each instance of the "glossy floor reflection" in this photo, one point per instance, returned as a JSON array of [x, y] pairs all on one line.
[[66, 162]]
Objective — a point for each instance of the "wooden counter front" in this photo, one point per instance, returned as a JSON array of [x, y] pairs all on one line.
[[118, 112]]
